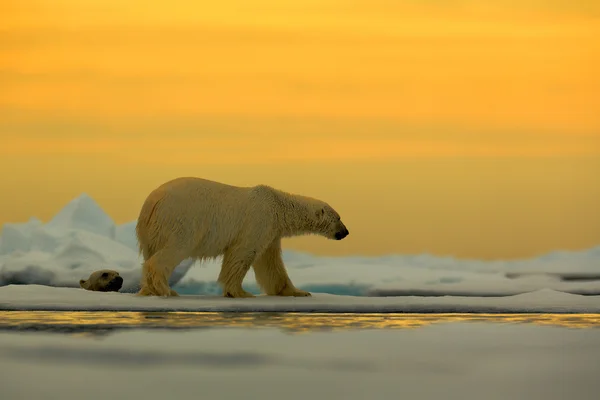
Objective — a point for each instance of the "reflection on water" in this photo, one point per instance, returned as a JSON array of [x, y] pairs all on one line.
[[104, 321]]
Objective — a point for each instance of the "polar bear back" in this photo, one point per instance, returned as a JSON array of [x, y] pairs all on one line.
[[207, 214]]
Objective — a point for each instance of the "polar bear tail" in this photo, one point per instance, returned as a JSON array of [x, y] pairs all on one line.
[[145, 233]]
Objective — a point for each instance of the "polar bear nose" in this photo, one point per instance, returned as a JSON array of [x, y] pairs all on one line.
[[341, 234]]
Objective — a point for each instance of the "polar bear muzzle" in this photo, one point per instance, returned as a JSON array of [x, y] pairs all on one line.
[[339, 235]]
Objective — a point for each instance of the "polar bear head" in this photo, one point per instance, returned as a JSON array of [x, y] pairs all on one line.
[[104, 280], [328, 222]]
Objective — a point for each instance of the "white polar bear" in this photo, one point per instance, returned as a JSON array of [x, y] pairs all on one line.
[[202, 219]]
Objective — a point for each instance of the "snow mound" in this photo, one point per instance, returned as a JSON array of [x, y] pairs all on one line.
[[80, 239], [83, 213], [17, 237], [576, 272], [125, 234]]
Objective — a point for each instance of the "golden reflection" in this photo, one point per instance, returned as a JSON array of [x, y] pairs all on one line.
[[289, 322]]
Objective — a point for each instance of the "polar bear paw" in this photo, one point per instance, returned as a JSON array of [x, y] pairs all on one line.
[[293, 292], [239, 293], [145, 291]]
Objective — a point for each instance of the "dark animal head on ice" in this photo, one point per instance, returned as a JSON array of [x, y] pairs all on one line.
[[104, 280]]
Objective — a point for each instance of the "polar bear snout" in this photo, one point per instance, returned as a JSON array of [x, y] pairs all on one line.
[[339, 235], [115, 284]]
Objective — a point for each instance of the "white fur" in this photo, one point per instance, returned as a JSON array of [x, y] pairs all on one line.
[[201, 219]]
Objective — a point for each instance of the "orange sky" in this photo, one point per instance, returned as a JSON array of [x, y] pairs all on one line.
[[454, 127]]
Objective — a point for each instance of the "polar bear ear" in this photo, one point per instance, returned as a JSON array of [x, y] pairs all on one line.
[[82, 283], [320, 212]]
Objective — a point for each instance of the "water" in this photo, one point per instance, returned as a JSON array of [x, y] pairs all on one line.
[[157, 355], [103, 322]]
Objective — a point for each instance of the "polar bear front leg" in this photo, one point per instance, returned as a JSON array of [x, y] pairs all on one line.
[[271, 274], [236, 264]]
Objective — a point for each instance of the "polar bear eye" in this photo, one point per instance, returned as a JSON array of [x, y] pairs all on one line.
[[105, 275]]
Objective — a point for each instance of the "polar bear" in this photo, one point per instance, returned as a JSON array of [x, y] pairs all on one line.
[[196, 218], [104, 280]]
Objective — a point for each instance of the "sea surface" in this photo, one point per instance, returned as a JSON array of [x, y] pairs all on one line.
[[103, 322]]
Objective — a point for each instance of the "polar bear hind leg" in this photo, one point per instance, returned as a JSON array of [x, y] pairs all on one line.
[[157, 270]]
